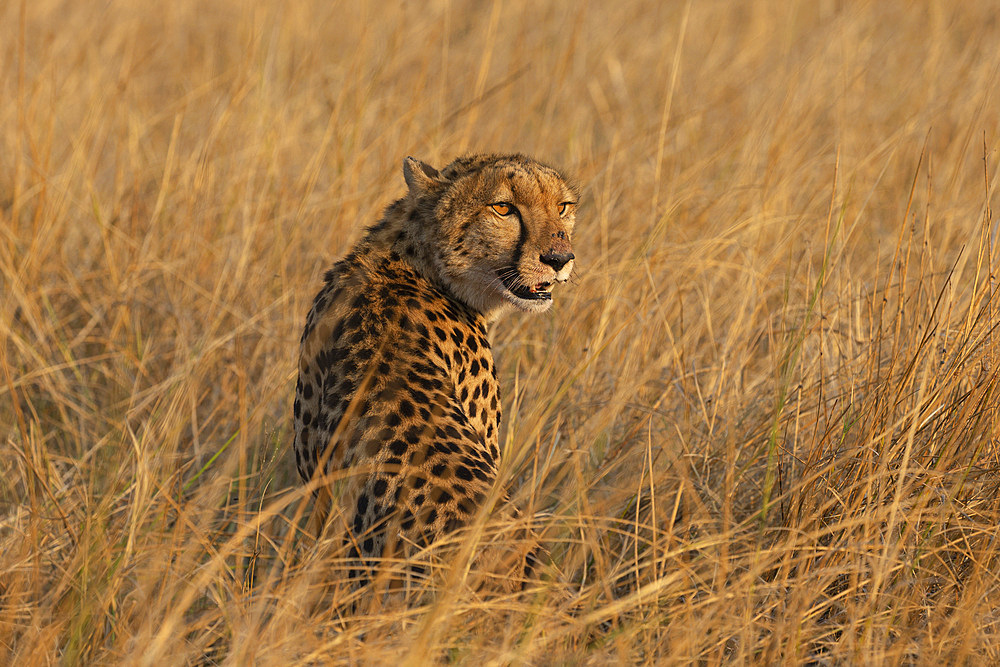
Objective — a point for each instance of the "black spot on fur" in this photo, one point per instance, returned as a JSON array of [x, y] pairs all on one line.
[[353, 322], [412, 434]]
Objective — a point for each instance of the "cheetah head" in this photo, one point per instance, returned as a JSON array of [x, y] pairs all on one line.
[[496, 228]]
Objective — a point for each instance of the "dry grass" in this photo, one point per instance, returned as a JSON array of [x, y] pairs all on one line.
[[761, 427]]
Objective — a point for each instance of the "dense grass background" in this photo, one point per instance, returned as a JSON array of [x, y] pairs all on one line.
[[761, 426]]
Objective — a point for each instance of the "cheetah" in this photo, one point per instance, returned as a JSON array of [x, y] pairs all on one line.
[[397, 394]]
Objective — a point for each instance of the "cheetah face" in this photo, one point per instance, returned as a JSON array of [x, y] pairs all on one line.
[[503, 227], [529, 270]]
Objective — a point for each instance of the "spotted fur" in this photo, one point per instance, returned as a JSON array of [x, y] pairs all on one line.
[[397, 389]]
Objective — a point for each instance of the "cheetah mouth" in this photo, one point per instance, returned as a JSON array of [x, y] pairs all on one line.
[[511, 279]]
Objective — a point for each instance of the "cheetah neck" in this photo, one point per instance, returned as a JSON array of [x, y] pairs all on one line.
[[406, 232]]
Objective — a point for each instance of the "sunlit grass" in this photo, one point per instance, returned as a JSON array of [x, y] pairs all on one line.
[[760, 425]]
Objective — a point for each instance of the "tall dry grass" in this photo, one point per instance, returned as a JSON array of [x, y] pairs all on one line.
[[762, 426]]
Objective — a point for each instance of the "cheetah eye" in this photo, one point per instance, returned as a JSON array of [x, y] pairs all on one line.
[[502, 208], [564, 207]]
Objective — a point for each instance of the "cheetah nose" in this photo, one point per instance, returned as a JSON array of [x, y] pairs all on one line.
[[557, 260]]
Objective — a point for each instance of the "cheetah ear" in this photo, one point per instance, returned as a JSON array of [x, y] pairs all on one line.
[[420, 176]]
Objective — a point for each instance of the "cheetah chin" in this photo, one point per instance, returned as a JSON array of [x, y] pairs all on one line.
[[515, 284]]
